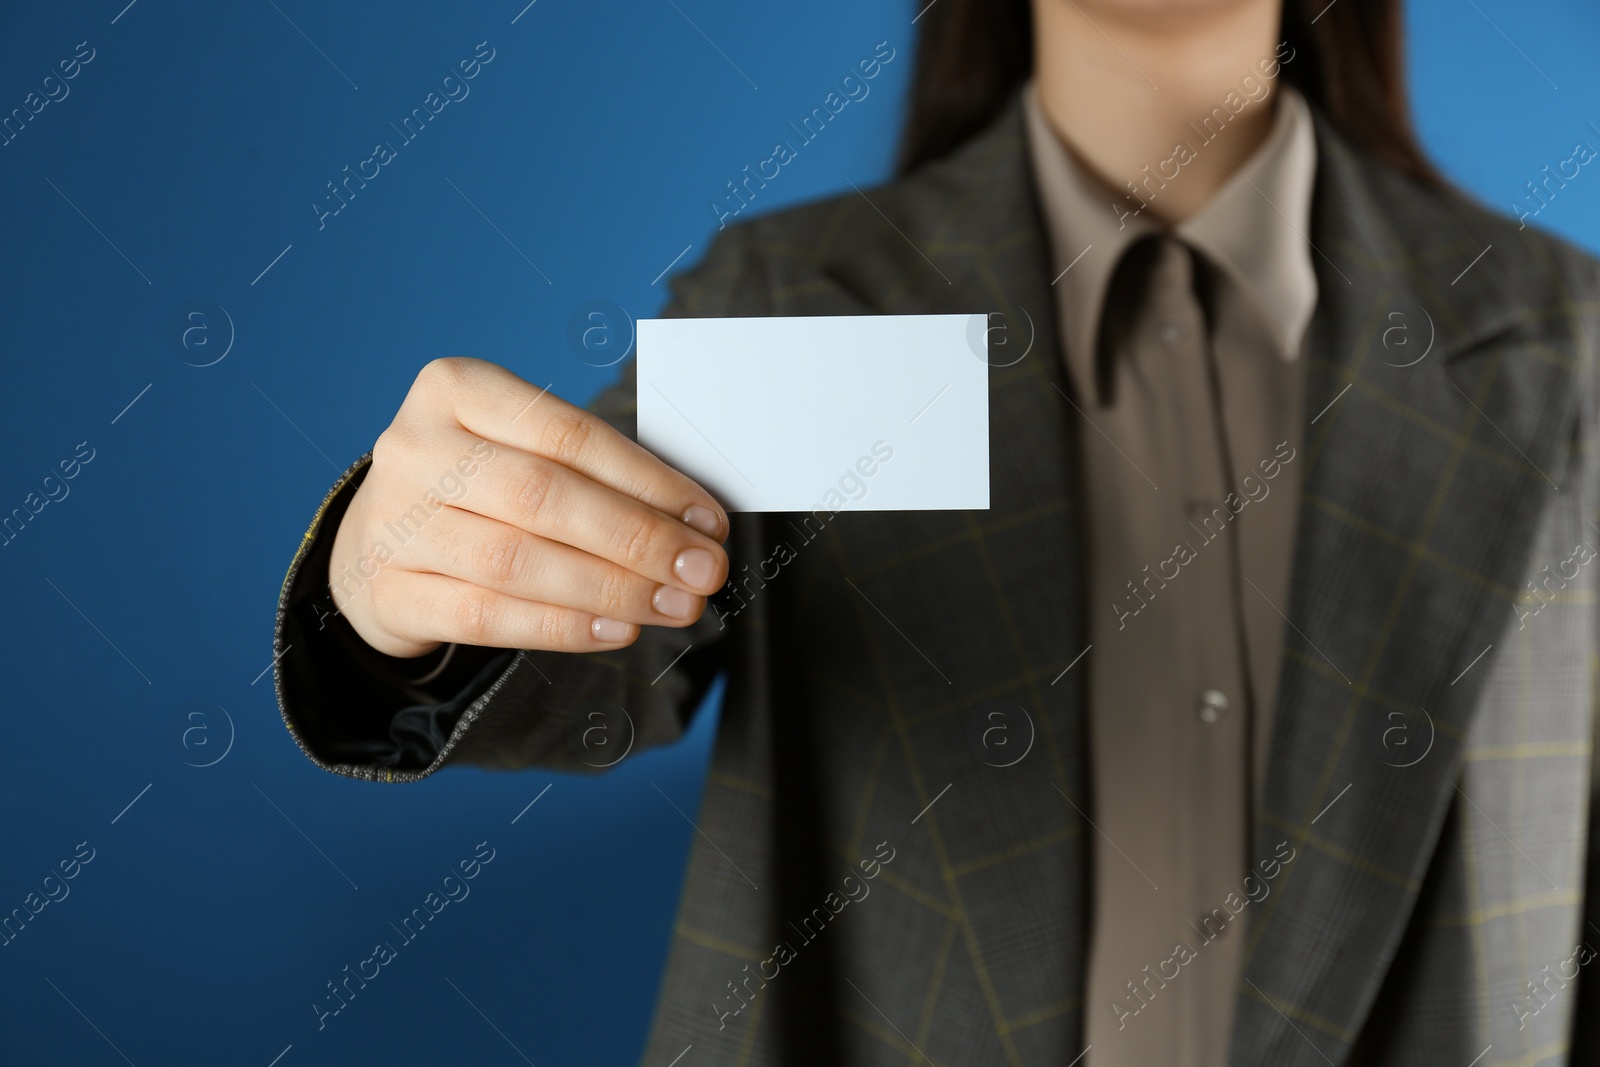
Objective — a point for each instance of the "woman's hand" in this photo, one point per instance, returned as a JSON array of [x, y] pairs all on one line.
[[497, 514]]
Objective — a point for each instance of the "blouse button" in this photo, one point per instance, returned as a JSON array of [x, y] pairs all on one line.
[[1213, 703]]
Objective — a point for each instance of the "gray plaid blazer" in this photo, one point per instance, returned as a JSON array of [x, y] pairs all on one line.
[[1431, 757]]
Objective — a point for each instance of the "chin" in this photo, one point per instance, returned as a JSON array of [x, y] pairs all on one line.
[[1139, 10]]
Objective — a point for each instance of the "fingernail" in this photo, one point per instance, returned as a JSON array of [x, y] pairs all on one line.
[[703, 519], [673, 603], [609, 631], [694, 567]]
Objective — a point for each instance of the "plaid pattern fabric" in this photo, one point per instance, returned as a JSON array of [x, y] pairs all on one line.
[[1431, 757]]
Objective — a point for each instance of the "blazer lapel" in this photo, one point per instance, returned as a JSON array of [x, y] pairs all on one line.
[[1426, 470], [980, 248]]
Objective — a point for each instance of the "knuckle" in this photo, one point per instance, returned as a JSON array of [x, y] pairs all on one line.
[[635, 540], [474, 617], [613, 596], [381, 600], [445, 372], [501, 558], [389, 609], [530, 490], [565, 435], [388, 447], [556, 631]]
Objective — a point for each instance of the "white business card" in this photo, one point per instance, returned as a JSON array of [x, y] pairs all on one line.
[[837, 412]]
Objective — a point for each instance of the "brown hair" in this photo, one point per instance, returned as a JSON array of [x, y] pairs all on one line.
[[972, 54]]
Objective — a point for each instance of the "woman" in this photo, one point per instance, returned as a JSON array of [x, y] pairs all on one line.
[[1250, 724]]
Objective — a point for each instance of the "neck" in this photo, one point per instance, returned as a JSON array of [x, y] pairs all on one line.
[[1128, 91]]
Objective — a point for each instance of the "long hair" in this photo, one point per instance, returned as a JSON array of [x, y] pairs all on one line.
[[972, 54]]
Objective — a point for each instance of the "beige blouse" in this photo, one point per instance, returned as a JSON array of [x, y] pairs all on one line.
[[1183, 352]]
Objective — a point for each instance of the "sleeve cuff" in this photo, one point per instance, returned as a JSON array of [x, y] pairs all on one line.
[[349, 707]]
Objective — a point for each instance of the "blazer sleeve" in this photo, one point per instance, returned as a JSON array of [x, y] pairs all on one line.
[[1585, 1047], [357, 712]]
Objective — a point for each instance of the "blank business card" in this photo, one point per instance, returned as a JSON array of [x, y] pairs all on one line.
[[837, 412]]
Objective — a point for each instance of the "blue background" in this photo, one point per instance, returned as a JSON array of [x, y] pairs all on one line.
[[183, 161]]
